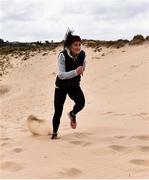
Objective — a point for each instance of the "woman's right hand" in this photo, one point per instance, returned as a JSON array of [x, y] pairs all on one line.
[[80, 70]]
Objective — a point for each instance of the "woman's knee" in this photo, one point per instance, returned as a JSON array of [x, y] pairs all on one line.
[[81, 103]]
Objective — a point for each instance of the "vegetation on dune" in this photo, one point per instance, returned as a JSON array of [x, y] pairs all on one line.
[[4, 64], [25, 50], [137, 40], [20, 47], [97, 43]]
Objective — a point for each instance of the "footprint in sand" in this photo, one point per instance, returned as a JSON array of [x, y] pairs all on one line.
[[5, 139], [79, 135], [71, 172], [143, 148], [128, 149], [82, 135], [17, 150], [80, 143], [120, 137], [143, 115], [109, 112], [4, 144], [119, 114], [133, 66], [124, 75], [114, 113], [10, 166], [141, 137], [119, 148], [4, 89], [140, 162]]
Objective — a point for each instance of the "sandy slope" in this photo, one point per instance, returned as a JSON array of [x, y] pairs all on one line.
[[112, 138]]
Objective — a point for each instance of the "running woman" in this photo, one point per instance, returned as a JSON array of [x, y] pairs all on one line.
[[71, 65]]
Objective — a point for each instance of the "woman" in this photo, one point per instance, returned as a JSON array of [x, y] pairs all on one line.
[[71, 63]]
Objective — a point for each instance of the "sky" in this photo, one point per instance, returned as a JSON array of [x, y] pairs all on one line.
[[41, 20]]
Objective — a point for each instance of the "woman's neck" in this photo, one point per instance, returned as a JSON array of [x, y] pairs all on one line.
[[73, 54]]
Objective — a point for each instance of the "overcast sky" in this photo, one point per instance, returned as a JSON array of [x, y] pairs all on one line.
[[40, 20]]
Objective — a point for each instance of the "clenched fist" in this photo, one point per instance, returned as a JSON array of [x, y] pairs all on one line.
[[80, 70]]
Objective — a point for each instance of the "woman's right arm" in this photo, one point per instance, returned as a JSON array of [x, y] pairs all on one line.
[[62, 74]]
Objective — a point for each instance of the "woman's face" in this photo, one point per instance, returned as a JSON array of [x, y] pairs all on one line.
[[75, 47]]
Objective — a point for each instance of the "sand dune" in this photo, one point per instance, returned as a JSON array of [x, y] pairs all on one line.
[[112, 138]]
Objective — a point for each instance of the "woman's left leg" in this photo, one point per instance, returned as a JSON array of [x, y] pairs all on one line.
[[76, 94]]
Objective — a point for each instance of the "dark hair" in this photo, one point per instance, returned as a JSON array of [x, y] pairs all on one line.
[[70, 38]]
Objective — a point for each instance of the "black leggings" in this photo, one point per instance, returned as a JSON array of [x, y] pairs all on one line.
[[75, 94]]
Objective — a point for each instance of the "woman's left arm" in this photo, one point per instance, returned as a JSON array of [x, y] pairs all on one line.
[[84, 63]]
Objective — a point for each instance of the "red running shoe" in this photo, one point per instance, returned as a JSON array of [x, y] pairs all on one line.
[[73, 122]]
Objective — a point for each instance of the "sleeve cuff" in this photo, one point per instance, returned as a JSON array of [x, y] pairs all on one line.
[[76, 72]]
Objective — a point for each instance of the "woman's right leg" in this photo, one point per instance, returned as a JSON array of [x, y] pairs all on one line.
[[59, 99]]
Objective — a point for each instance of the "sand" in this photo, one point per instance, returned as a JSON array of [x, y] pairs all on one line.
[[112, 137]]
